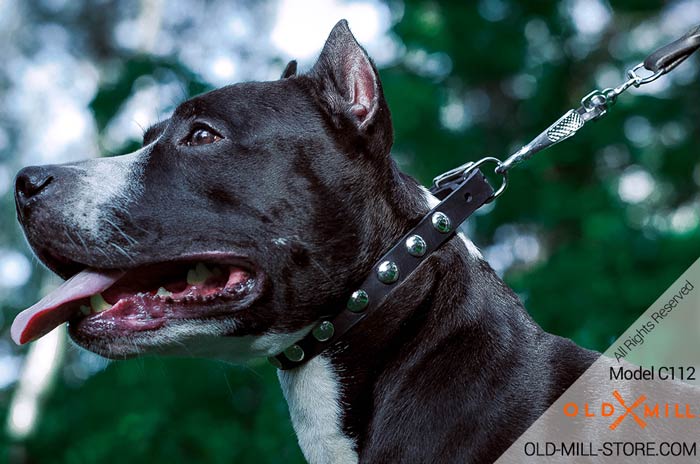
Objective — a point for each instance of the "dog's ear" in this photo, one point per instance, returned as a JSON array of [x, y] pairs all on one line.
[[290, 70], [350, 88]]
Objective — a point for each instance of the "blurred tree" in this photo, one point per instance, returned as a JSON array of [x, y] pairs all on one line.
[[614, 211], [589, 233]]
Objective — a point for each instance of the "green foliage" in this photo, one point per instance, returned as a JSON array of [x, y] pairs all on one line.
[[602, 264], [172, 410], [110, 96], [603, 267]]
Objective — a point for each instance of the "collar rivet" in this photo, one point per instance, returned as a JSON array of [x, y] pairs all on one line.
[[294, 353], [323, 331], [358, 301], [416, 246], [441, 222], [395, 266], [388, 272]]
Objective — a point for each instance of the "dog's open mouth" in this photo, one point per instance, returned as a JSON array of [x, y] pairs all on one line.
[[140, 299]]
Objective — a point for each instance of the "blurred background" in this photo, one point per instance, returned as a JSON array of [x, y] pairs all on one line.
[[588, 234]]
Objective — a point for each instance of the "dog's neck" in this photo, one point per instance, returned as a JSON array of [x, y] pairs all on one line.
[[332, 398]]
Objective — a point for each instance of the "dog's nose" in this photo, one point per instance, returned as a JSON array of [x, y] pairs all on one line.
[[29, 184]]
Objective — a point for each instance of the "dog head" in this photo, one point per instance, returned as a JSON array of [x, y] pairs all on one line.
[[244, 218]]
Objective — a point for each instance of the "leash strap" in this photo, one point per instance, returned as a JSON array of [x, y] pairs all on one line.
[[463, 195], [668, 57], [597, 103]]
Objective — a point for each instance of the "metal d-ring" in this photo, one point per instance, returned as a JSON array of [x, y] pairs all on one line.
[[504, 175], [452, 174]]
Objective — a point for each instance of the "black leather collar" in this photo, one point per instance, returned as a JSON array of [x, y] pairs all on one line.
[[460, 196]]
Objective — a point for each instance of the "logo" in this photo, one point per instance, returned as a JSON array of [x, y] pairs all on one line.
[[628, 411], [638, 411]]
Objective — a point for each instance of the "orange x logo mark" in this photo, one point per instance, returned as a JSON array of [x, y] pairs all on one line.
[[628, 411]]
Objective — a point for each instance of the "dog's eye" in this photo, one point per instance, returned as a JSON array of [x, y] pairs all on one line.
[[202, 136]]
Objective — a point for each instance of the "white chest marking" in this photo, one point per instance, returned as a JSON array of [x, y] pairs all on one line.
[[313, 394]]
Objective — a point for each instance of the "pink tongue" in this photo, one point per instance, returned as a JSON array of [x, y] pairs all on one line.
[[53, 310]]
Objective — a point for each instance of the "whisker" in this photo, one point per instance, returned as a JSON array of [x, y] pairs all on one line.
[[70, 238], [122, 251], [143, 129], [128, 217], [80, 237], [104, 253], [126, 236], [320, 268], [313, 260]]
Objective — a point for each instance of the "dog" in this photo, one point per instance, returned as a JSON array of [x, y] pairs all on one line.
[[249, 215]]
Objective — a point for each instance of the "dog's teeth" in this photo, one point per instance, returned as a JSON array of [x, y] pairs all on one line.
[[192, 277], [204, 272], [163, 292], [198, 275], [85, 310], [98, 303], [244, 286]]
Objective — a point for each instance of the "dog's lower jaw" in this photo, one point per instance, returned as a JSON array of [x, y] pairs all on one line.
[[313, 392], [202, 339]]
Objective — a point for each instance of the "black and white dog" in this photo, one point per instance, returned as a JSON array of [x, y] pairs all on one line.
[[247, 216]]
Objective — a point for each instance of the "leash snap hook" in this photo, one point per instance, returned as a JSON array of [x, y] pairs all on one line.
[[638, 80], [597, 103], [500, 169]]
